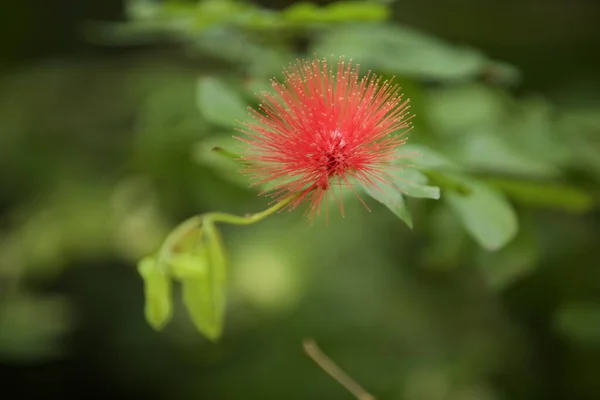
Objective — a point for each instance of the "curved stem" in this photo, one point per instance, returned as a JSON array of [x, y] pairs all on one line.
[[174, 238], [186, 227], [249, 218]]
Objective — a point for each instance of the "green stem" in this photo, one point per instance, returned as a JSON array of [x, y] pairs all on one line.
[[174, 238], [186, 227], [249, 218], [195, 222]]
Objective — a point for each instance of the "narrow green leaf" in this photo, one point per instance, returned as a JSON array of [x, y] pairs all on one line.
[[157, 290], [219, 103], [204, 294], [486, 215]]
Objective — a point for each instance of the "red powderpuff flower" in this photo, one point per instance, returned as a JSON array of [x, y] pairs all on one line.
[[325, 128]]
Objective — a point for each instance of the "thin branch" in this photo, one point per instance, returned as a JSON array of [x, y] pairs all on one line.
[[330, 367]]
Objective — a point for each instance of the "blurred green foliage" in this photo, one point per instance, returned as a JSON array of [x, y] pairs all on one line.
[[493, 294]]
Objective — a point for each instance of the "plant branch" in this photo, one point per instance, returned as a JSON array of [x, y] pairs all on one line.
[[331, 368]]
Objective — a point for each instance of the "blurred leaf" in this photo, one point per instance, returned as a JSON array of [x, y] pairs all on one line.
[[304, 13], [254, 86], [486, 215], [486, 151], [210, 12], [533, 130], [456, 110], [157, 290], [346, 11], [31, 328], [220, 104], [545, 194], [424, 157], [262, 19], [259, 59], [168, 120], [401, 50], [516, 260], [502, 73], [142, 9], [204, 295], [580, 322], [580, 128]]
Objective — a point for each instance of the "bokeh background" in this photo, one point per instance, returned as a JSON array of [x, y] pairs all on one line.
[[107, 109]]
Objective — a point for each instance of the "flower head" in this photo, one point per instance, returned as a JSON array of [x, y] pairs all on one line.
[[325, 128]]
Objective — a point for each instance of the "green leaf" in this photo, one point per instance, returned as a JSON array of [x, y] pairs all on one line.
[[486, 215], [204, 295], [157, 290], [401, 50], [545, 194], [188, 265], [220, 104], [413, 183], [394, 201], [406, 182]]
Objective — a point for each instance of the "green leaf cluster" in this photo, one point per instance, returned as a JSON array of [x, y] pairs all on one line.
[[193, 256]]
